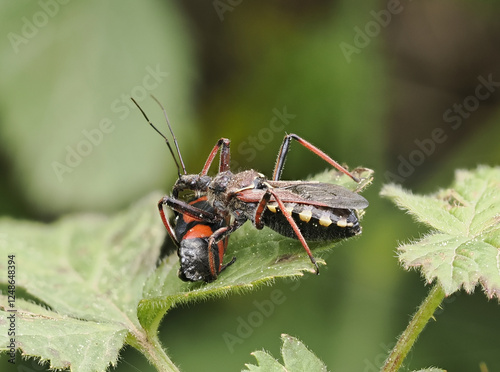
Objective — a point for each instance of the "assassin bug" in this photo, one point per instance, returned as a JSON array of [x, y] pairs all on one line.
[[297, 209]]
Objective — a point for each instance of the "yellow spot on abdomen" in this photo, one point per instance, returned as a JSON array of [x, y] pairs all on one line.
[[272, 208], [325, 221], [305, 215], [342, 222]]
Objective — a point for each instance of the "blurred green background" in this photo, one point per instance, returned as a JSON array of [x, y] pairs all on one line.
[[370, 83]]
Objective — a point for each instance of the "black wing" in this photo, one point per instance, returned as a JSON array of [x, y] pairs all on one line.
[[332, 195]]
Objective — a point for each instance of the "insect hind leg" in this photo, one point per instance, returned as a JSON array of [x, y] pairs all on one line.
[[295, 228], [285, 146]]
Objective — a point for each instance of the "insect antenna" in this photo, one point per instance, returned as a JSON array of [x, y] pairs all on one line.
[[165, 138], [172, 133]]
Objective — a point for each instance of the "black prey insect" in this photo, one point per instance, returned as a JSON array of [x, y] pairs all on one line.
[[197, 261], [304, 210], [191, 232]]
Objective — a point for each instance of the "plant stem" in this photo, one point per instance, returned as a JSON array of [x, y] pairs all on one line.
[[416, 325], [150, 346]]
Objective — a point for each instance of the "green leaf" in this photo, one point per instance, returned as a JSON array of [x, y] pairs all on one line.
[[90, 271], [266, 363], [65, 341], [261, 256], [296, 358], [431, 369], [465, 249]]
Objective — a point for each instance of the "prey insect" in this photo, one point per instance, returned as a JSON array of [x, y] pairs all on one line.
[[197, 261], [191, 232], [303, 210]]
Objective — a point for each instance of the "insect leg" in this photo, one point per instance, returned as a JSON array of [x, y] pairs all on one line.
[[294, 226], [166, 222], [216, 237], [187, 209], [225, 266], [223, 145], [261, 207], [285, 146], [183, 208], [225, 231]]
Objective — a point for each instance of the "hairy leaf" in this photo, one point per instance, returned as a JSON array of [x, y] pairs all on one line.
[[464, 251], [65, 341], [296, 358], [89, 271]]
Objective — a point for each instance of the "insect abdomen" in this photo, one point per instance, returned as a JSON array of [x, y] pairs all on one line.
[[314, 223], [196, 260]]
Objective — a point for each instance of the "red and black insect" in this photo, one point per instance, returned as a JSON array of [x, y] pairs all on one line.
[[297, 209], [191, 233], [197, 261]]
